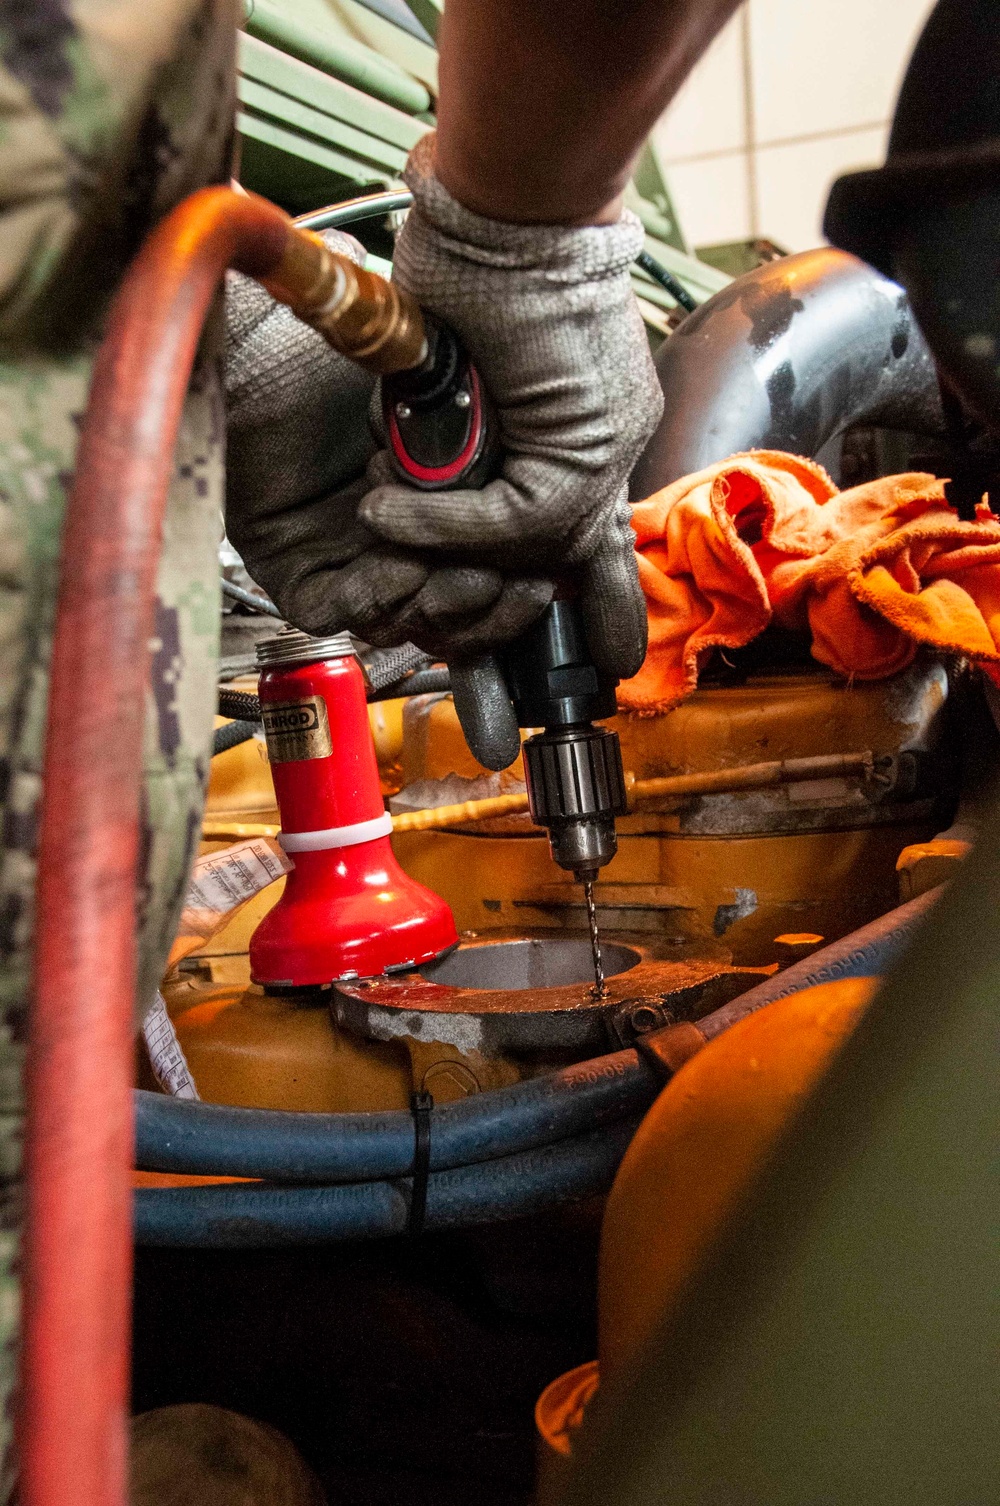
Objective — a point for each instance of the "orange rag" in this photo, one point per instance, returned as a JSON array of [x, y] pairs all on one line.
[[872, 573]]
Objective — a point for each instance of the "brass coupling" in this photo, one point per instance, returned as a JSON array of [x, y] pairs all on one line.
[[368, 319]]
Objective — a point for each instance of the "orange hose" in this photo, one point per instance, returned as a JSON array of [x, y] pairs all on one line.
[[78, 1244]]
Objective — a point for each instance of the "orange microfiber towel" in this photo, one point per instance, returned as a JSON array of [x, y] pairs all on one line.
[[872, 573]]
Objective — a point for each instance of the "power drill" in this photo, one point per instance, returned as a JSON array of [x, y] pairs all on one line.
[[442, 434]]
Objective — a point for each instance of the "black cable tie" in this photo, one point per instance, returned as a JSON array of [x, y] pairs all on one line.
[[421, 1106]]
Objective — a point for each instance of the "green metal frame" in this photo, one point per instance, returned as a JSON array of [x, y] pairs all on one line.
[[324, 116]]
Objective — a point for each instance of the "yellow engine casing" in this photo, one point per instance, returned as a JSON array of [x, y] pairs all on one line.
[[817, 857], [766, 876], [694, 1158]]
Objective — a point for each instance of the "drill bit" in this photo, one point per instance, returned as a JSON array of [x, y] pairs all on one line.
[[600, 988]]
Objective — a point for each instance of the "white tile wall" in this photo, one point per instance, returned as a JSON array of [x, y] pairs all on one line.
[[712, 198], [708, 115], [824, 77], [793, 181], [828, 65]]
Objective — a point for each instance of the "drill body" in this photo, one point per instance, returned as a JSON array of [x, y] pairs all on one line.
[[572, 769]]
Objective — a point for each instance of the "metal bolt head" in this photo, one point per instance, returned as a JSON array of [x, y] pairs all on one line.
[[645, 1017], [462, 399], [402, 411]]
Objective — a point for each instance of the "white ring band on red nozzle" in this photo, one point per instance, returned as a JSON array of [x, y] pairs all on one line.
[[337, 836]]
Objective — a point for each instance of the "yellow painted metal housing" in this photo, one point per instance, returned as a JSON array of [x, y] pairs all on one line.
[[764, 875], [245, 1047], [700, 1149], [748, 867]]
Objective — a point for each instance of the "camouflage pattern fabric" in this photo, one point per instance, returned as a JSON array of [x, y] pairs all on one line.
[[110, 113]]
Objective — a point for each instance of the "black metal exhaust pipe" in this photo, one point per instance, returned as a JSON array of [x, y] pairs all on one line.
[[785, 358]]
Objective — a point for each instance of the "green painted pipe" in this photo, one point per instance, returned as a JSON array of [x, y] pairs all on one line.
[[428, 13], [345, 59]]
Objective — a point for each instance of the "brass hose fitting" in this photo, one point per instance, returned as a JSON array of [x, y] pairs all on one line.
[[373, 322]]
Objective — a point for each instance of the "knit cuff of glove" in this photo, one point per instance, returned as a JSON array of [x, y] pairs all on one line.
[[567, 254]]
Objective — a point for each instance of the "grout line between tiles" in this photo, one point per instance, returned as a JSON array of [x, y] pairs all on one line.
[[762, 146], [749, 123]]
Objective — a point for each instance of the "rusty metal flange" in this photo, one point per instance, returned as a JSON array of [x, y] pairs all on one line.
[[543, 1009]]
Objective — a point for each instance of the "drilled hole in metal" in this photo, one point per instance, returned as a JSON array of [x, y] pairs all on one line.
[[528, 963]]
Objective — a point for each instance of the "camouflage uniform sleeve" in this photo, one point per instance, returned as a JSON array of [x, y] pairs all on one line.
[[111, 113]]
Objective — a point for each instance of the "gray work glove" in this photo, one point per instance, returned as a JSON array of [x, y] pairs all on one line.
[[298, 440], [548, 316], [296, 411]]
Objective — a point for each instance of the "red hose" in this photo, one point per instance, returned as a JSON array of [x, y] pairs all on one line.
[[77, 1261]]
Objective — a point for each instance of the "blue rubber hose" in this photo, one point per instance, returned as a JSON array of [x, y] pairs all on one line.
[[255, 1217], [176, 1135], [498, 1156]]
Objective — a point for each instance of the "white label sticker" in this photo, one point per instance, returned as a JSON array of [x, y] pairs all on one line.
[[220, 883], [223, 880], [166, 1058]]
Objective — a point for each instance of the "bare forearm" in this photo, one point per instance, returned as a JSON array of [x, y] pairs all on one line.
[[544, 103]]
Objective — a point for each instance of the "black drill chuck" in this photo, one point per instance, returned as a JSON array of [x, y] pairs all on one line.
[[573, 770], [576, 788]]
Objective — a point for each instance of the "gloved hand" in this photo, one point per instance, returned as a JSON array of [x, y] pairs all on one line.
[[298, 441], [296, 411], [548, 316]]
